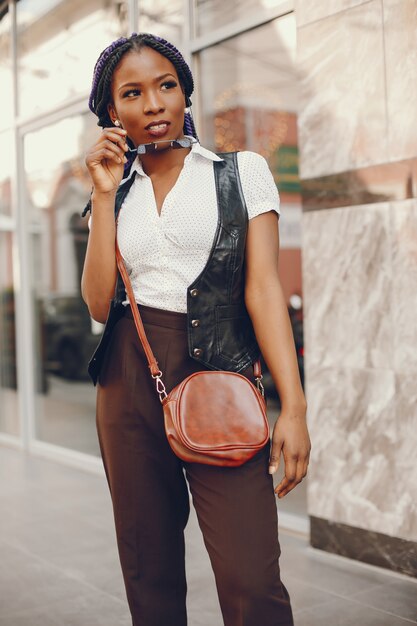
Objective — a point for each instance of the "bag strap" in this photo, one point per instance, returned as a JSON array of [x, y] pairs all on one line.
[[152, 362]]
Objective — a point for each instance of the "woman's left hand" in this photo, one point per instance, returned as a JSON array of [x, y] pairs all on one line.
[[266, 305], [290, 436]]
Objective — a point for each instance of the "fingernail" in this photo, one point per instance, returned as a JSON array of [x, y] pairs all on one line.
[[124, 160], [271, 469]]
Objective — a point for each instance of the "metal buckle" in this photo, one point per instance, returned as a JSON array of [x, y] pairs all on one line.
[[260, 386], [160, 387]]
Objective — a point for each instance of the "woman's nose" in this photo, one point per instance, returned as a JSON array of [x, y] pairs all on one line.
[[153, 104]]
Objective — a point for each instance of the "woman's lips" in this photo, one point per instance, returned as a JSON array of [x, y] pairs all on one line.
[[158, 129]]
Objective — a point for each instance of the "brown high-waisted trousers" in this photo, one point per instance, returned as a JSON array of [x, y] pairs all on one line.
[[235, 506]]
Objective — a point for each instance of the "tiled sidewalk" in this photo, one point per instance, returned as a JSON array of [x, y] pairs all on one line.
[[59, 565]]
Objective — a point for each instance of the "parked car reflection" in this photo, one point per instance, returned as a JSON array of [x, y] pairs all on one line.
[[69, 336]]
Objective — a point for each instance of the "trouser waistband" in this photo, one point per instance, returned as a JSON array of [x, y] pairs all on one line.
[[159, 317]]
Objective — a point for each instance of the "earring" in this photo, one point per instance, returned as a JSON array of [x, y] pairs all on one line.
[[116, 122]]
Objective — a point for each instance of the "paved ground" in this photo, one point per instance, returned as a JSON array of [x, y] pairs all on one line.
[[59, 565]]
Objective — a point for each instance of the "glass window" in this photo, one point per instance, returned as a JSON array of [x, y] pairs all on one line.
[[58, 187], [162, 18], [252, 105], [249, 103], [9, 411], [5, 69], [212, 14], [58, 44]]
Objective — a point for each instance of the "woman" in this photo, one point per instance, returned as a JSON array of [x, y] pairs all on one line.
[[200, 311]]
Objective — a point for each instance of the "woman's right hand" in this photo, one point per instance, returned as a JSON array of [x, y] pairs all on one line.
[[106, 159]]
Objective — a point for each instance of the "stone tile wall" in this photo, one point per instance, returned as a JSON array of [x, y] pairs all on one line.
[[357, 64]]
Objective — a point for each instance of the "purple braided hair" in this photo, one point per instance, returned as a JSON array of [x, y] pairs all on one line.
[[100, 65]]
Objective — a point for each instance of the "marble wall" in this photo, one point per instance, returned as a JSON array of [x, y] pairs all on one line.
[[360, 279], [400, 35], [311, 10], [357, 62], [358, 87], [343, 119]]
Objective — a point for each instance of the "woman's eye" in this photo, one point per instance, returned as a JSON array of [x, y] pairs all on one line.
[[131, 93], [169, 84]]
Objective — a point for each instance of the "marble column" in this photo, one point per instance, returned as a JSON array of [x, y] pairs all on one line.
[[358, 147]]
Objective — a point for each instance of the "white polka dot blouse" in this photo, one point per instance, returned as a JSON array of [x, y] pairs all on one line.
[[164, 253]]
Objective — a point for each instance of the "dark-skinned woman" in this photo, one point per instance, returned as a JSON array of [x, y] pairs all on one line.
[[168, 232]]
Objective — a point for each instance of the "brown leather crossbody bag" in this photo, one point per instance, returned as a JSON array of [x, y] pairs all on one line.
[[211, 417]]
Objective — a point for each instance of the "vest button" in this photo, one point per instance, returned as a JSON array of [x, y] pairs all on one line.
[[194, 293], [197, 352], [195, 323]]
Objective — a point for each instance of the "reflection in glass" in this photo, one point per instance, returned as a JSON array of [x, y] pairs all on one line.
[[5, 68], [58, 44], [252, 103], [58, 187], [212, 14], [162, 18], [9, 408], [6, 156]]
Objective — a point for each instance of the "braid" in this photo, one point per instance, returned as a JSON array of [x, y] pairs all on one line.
[[103, 87], [99, 66], [100, 95], [189, 126]]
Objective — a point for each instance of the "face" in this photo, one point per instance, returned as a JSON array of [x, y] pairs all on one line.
[[147, 97]]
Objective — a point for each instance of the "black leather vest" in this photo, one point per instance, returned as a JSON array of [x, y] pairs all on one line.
[[220, 331]]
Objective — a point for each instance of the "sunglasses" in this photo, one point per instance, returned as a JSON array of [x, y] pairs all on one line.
[[175, 144]]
